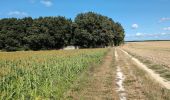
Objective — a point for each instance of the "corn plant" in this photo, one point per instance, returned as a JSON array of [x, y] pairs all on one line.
[[43, 74]]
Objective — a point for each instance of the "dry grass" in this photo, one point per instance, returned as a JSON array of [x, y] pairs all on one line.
[[157, 52], [97, 83], [138, 84], [132, 83], [156, 55]]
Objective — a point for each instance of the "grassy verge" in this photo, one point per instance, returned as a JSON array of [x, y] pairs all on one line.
[[151, 89], [85, 87]]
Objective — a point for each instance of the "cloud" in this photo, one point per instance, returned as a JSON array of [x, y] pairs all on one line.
[[134, 26], [150, 34], [47, 3], [164, 19], [146, 35], [138, 34], [166, 28], [17, 14]]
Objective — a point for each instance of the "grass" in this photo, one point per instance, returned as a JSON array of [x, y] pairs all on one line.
[[86, 88], [152, 90], [43, 74]]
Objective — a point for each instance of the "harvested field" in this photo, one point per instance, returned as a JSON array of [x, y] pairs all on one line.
[[157, 52], [156, 55]]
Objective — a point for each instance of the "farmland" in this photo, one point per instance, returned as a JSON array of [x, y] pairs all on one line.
[[43, 74], [118, 73], [120, 79], [154, 54], [158, 52]]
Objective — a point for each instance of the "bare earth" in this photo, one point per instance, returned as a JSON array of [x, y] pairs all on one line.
[[120, 77]]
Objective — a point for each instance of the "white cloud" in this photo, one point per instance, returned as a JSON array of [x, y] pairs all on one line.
[[164, 33], [135, 26], [150, 34], [17, 14], [147, 36], [163, 19], [166, 28], [47, 3], [138, 34]]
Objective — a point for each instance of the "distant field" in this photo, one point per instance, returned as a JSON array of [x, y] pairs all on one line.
[[40, 75], [156, 55], [157, 51]]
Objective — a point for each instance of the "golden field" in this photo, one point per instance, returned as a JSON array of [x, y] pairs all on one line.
[[157, 51], [156, 55]]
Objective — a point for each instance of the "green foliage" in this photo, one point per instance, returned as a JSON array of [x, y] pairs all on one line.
[[88, 31], [97, 31]]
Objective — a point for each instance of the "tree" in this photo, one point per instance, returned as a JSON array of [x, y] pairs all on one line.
[[89, 30], [119, 34], [96, 30]]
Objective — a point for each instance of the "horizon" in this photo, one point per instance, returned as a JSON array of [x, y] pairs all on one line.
[[140, 20]]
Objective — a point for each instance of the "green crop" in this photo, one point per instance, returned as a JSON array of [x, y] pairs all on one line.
[[43, 74]]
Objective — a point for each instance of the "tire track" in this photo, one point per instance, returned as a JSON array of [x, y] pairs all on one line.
[[153, 75], [132, 84], [119, 80]]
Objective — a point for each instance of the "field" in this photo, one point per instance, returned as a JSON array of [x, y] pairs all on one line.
[[134, 71], [158, 52], [43, 74], [154, 54]]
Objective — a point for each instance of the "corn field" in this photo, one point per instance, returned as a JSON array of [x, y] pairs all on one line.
[[43, 74]]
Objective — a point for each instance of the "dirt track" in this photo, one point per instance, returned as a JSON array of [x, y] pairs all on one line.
[[100, 83], [119, 77], [153, 75]]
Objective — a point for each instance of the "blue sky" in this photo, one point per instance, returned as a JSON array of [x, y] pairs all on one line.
[[141, 19]]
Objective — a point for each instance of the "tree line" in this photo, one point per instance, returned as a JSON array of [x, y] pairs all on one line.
[[88, 30]]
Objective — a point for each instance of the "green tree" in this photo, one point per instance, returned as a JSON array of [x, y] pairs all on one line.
[[89, 30], [99, 30], [119, 34]]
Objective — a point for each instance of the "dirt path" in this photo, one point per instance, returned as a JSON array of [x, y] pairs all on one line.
[[98, 84], [155, 76], [138, 83], [120, 79], [133, 89]]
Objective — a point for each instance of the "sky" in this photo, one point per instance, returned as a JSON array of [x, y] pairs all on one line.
[[141, 19]]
